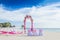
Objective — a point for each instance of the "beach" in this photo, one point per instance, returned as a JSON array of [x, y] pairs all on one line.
[[47, 35]]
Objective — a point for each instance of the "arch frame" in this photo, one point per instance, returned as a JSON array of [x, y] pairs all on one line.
[[28, 17]]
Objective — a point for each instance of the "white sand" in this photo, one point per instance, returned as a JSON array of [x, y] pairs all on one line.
[[47, 35]]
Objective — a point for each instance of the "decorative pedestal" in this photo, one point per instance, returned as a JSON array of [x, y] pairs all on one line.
[[35, 32]]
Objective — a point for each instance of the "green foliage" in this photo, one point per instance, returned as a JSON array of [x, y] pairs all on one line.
[[6, 24], [22, 26], [1, 25]]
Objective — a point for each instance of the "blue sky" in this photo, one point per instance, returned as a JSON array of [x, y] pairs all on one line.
[[16, 4], [45, 13]]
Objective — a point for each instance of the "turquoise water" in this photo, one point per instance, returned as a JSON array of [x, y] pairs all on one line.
[[52, 29], [48, 29], [43, 29]]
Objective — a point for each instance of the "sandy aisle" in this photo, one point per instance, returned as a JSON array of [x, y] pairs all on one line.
[[46, 36]]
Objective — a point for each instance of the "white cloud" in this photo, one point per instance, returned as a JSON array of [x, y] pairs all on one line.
[[45, 17]]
